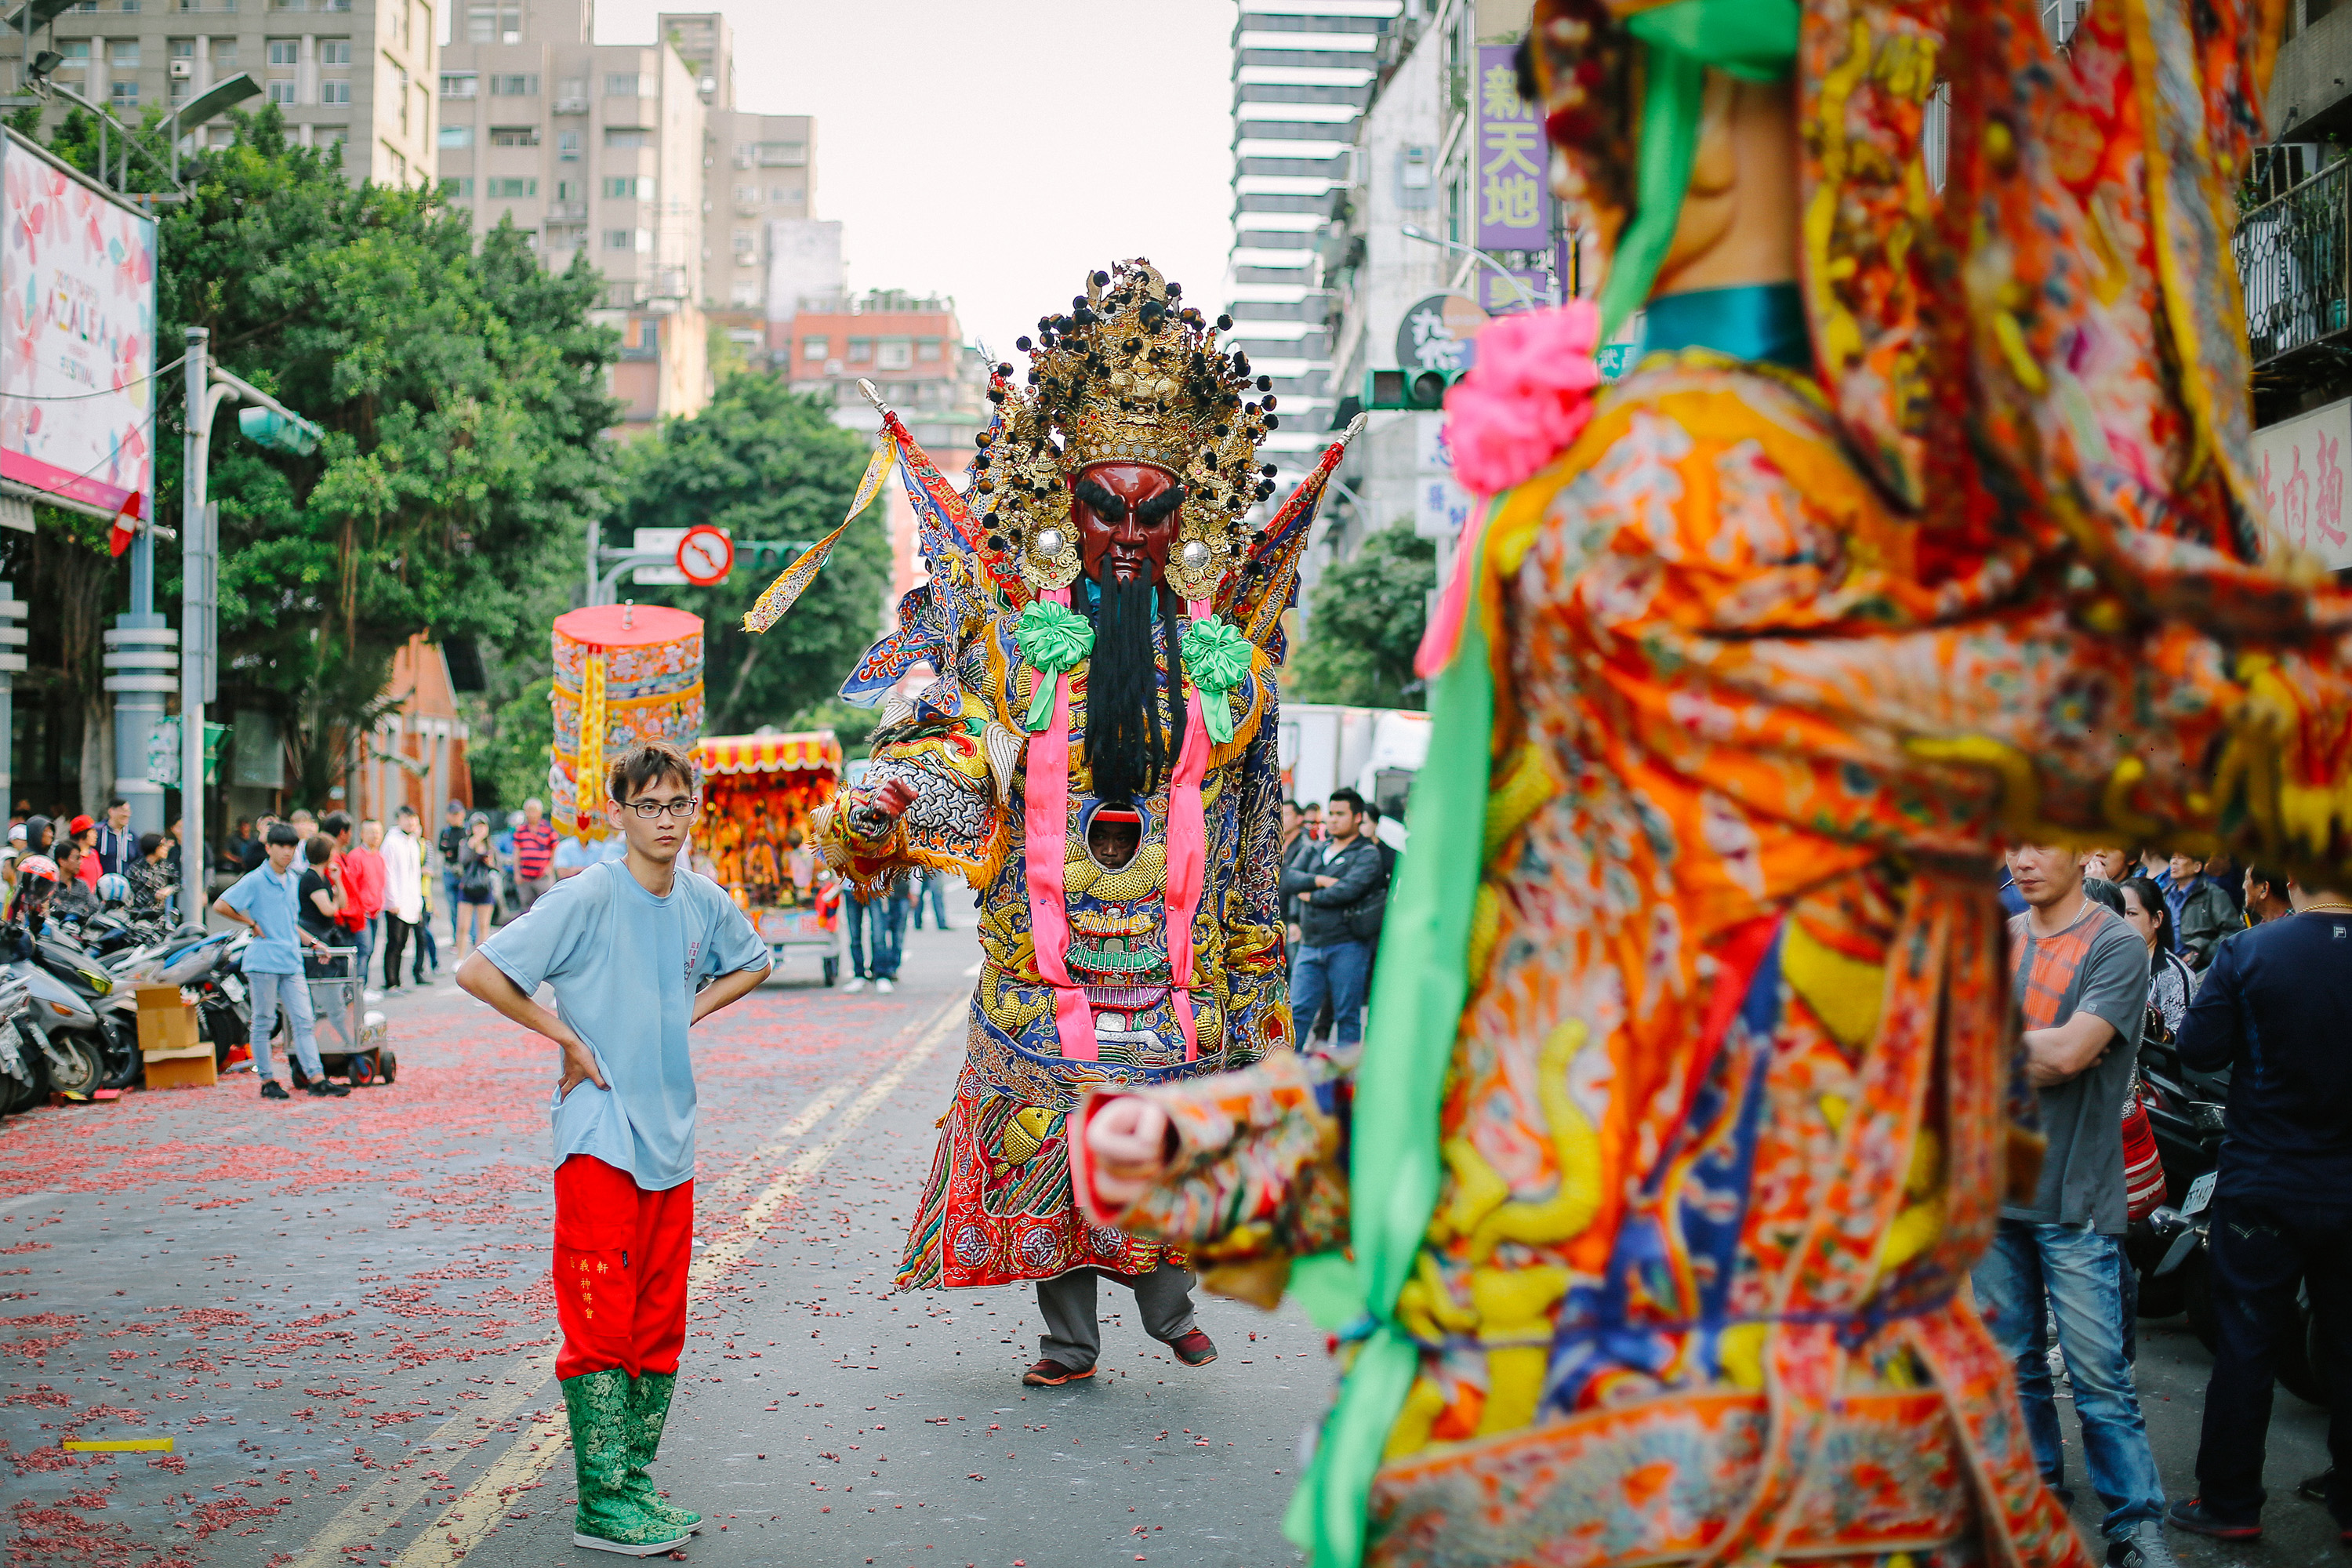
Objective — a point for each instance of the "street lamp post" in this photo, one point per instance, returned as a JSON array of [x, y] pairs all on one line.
[[1409, 232], [209, 386]]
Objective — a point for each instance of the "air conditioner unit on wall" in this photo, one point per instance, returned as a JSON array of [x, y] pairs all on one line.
[[182, 69]]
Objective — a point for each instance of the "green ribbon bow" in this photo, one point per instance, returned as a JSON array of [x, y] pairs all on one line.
[[1216, 656], [1053, 638]]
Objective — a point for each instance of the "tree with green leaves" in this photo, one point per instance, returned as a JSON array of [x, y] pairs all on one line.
[[765, 463], [462, 391], [1364, 622]]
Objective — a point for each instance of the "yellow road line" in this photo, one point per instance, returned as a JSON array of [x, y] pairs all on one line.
[[462, 1525], [524, 1380], [118, 1445]]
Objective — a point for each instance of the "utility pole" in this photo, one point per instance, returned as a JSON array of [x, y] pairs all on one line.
[[273, 425]]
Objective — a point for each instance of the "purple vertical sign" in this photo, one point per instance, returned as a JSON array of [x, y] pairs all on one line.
[[1512, 197]]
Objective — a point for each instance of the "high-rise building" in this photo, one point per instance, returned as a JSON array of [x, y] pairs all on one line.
[[1302, 74], [353, 73]]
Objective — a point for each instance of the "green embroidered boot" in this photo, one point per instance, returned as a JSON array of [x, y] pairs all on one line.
[[609, 1518], [649, 1399]]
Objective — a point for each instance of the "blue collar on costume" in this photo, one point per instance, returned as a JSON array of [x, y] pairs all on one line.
[[1762, 321]]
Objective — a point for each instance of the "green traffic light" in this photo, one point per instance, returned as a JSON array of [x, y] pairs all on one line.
[[278, 432]]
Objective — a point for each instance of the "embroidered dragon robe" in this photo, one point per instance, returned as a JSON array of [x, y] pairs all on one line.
[[997, 1205]]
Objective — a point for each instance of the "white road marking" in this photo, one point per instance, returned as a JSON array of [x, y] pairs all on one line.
[[21, 1199], [523, 1381], [463, 1524], [974, 971]]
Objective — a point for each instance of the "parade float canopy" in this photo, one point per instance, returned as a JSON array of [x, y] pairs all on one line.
[[757, 791], [624, 674], [805, 751]]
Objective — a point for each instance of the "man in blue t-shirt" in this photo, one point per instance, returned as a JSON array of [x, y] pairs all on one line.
[[2271, 1009], [269, 899], [637, 949]]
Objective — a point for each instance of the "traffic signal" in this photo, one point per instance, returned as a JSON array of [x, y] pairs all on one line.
[[1418, 389], [280, 432]]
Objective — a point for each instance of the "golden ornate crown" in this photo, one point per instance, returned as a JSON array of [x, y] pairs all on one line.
[[1130, 375]]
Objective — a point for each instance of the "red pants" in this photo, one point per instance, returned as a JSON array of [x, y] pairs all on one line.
[[621, 1260]]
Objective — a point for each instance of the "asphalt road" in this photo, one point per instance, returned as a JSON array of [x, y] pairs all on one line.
[[339, 1314]]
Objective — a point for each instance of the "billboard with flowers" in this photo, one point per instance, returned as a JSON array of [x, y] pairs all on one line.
[[76, 337]]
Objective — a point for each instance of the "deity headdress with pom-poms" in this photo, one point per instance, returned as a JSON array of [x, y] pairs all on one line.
[[1128, 375]]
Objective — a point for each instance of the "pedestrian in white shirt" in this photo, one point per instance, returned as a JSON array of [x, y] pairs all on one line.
[[403, 892]]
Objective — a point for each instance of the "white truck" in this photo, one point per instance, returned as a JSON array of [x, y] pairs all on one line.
[[1323, 746]]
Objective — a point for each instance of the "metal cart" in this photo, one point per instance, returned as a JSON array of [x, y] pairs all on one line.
[[353, 1038]]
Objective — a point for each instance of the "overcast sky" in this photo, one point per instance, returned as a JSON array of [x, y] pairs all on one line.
[[996, 152]]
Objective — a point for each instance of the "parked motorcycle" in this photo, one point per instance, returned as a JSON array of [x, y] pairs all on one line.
[[23, 1076]]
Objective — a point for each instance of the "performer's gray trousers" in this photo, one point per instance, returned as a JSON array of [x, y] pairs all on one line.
[[1073, 1336]]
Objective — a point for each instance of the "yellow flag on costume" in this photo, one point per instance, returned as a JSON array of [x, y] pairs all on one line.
[[591, 774], [781, 594]]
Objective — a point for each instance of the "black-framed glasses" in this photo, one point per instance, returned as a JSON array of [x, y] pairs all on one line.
[[647, 810]]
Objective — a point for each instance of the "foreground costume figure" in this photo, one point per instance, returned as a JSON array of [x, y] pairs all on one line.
[[1097, 758], [1690, 1094]]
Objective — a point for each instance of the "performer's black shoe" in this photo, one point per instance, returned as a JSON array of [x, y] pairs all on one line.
[[273, 1090], [1193, 1348], [323, 1089], [1051, 1374]]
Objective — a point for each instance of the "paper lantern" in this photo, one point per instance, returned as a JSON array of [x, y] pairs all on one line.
[[624, 674]]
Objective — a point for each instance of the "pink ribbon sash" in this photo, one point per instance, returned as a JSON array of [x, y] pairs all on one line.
[[1046, 805], [1187, 845], [1045, 832]]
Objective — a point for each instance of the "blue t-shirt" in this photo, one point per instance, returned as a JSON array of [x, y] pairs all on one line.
[[626, 966], [272, 900]]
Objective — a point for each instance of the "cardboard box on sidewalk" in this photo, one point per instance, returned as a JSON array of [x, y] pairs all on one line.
[[175, 1055]]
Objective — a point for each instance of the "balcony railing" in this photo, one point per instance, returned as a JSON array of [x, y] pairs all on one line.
[[2293, 253]]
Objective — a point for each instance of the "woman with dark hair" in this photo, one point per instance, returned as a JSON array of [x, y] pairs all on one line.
[[2171, 983], [150, 873]]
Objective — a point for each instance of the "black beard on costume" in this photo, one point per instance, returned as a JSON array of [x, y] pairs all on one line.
[[1129, 748]]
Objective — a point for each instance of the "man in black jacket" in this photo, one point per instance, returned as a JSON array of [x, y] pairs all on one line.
[[2271, 1010], [1341, 894]]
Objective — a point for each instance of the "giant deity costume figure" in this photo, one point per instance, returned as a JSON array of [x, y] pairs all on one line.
[[1096, 757], [1922, 525]]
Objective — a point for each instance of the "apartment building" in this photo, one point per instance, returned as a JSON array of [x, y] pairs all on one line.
[[760, 169], [2294, 221], [356, 74], [589, 148]]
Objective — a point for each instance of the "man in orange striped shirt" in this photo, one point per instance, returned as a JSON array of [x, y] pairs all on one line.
[[2080, 983]]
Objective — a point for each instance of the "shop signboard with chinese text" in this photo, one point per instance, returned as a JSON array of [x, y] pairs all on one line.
[[1439, 333], [2300, 466], [1512, 196]]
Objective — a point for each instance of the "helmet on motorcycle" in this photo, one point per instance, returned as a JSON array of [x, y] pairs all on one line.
[[114, 888], [36, 879]]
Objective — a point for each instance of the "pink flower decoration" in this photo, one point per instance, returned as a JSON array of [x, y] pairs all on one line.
[[1527, 397]]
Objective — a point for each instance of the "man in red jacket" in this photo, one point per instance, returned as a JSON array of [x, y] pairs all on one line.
[[371, 881]]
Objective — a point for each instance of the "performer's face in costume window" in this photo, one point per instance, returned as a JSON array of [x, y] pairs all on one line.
[[1126, 516]]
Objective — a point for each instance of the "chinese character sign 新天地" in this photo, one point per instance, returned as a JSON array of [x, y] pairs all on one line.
[[1510, 197]]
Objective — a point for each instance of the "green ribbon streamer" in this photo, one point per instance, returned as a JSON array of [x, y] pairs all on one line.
[[1418, 993], [1216, 656], [1053, 638]]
